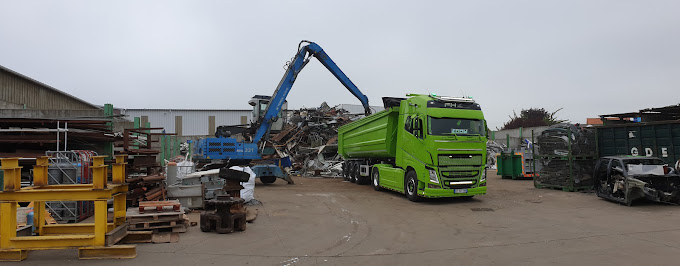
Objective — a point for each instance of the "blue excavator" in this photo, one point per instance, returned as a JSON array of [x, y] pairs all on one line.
[[223, 150]]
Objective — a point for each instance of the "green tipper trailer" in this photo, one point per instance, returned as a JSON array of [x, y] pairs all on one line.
[[423, 146]]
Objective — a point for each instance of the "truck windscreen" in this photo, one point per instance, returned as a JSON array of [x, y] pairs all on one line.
[[455, 126]]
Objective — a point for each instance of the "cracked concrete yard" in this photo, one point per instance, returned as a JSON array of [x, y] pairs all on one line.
[[331, 222]]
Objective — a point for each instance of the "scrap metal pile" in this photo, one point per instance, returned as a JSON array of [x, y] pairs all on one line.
[[560, 139], [145, 188], [311, 140], [30, 138], [493, 148], [566, 154], [556, 172]]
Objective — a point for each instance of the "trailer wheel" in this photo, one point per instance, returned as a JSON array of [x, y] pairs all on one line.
[[353, 172], [345, 171], [411, 186], [375, 179]]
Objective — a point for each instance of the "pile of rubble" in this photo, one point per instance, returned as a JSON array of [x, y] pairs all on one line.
[[311, 140]]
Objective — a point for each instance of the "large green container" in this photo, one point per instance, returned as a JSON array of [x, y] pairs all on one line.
[[509, 165], [374, 136], [658, 139]]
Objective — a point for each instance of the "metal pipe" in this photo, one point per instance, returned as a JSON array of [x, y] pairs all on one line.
[[57, 135], [66, 136]]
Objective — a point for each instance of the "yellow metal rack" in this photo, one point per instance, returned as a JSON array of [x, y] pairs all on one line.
[[93, 240]]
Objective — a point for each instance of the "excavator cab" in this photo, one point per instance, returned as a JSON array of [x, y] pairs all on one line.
[[259, 104]]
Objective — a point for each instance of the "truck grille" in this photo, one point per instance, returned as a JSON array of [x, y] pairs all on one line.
[[460, 159], [460, 174]]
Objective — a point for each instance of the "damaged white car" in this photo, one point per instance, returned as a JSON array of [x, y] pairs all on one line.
[[625, 179]]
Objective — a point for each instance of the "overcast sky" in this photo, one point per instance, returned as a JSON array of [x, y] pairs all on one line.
[[588, 57]]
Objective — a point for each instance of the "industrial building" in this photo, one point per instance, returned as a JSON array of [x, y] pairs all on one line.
[[189, 122], [18, 91]]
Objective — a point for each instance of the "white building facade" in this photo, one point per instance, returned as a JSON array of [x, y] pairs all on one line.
[[189, 122]]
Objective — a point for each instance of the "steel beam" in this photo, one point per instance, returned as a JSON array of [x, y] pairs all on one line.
[[12, 172], [51, 242], [61, 194], [13, 255], [8, 223], [40, 171], [65, 229], [113, 252]]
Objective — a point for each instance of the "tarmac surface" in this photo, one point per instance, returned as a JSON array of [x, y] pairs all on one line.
[[327, 221]]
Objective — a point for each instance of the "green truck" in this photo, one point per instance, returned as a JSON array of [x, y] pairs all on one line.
[[424, 146]]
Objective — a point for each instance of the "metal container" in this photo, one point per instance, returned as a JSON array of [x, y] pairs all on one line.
[[659, 139], [374, 136]]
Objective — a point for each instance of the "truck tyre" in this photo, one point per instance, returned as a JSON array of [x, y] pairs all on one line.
[[353, 172], [411, 186], [268, 179], [345, 171], [375, 179]]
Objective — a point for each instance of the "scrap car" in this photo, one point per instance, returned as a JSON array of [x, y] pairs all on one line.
[[625, 179]]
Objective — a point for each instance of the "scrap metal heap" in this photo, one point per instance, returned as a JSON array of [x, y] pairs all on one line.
[[311, 140], [567, 140], [566, 153], [145, 180], [30, 138]]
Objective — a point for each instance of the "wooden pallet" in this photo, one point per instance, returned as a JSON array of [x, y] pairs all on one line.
[[155, 218], [159, 206], [155, 225]]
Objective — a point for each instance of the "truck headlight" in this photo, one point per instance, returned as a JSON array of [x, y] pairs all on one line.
[[483, 179], [433, 176]]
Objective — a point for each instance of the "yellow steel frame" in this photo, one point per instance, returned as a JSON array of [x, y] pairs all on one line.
[[90, 238]]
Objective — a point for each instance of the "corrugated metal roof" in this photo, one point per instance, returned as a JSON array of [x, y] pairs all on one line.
[[47, 86]]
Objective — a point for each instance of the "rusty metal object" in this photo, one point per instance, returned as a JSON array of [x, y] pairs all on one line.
[[224, 215]]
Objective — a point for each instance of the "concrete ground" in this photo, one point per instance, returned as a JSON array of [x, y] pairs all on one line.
[[331, 222]]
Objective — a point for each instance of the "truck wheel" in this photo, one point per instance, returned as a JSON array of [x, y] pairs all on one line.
[[268, 179], [353, 172], [411, 186], [375, 180], [345, 171]]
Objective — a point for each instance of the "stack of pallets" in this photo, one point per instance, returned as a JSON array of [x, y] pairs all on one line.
[[163, 219]]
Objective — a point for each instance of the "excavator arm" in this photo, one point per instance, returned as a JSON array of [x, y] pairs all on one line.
[[294, 67]]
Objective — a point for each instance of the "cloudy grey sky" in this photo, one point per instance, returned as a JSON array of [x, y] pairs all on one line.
[[589, 57]]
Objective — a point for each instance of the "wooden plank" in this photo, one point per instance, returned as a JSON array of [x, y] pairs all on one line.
[[146, 219], [134, 212], [154, 225]]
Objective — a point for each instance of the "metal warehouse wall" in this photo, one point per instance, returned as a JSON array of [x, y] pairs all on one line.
[[17, 90], [194, 122]]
